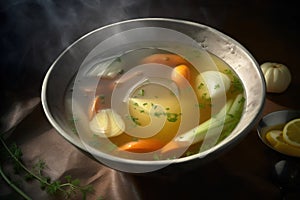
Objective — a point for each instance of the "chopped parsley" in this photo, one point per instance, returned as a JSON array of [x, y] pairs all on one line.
[[172, 93], [235, 81], [200, 86], [135, 120], [228, 71], [172, 117], [141, 92], [205, 96], [74, 130], [154, 106], [158, 114], [237, 85], [200, 105], [217, 86], [242, 100]]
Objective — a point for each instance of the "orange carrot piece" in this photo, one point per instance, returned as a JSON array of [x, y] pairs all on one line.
[[142, 146], [95, 106], [171, 60], [179, 72]]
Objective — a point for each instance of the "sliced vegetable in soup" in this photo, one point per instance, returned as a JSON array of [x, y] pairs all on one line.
[[154, 107]]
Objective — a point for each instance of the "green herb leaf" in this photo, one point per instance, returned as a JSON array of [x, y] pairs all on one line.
[[172, 117], [217, 86], [53, 187], [36, 173], [200, 86], [141, 92]]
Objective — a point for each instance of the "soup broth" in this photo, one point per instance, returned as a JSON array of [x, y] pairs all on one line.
[[152, 116]]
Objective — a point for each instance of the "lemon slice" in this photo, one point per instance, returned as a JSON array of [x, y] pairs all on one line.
[[291, 132], [275, 138]]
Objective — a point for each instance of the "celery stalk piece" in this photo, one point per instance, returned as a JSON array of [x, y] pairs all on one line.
[[233, 110]]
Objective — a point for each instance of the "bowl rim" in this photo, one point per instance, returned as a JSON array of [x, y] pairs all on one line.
[[215, 149]]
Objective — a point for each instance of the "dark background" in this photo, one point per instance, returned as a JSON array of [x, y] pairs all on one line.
[[34, 32]]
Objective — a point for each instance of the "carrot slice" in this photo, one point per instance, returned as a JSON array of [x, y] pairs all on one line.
[[179, 72], [95, 106], [142, 146], [171, 60]]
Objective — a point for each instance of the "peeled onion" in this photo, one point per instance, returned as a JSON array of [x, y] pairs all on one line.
[[214, 83], [107, 123]]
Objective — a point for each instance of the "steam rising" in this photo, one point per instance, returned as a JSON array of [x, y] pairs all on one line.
[[34, 32]]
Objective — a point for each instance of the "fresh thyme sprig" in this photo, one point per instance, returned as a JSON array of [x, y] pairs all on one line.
[[67, 189]]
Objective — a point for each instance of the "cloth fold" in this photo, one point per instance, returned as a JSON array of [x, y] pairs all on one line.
[[243, 172], [39, 141], [18, 111]]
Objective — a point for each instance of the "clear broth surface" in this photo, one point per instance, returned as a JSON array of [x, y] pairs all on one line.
[[154, 94]]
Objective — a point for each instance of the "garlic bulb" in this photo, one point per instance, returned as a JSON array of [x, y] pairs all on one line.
[[107, 123], [277, 76]]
